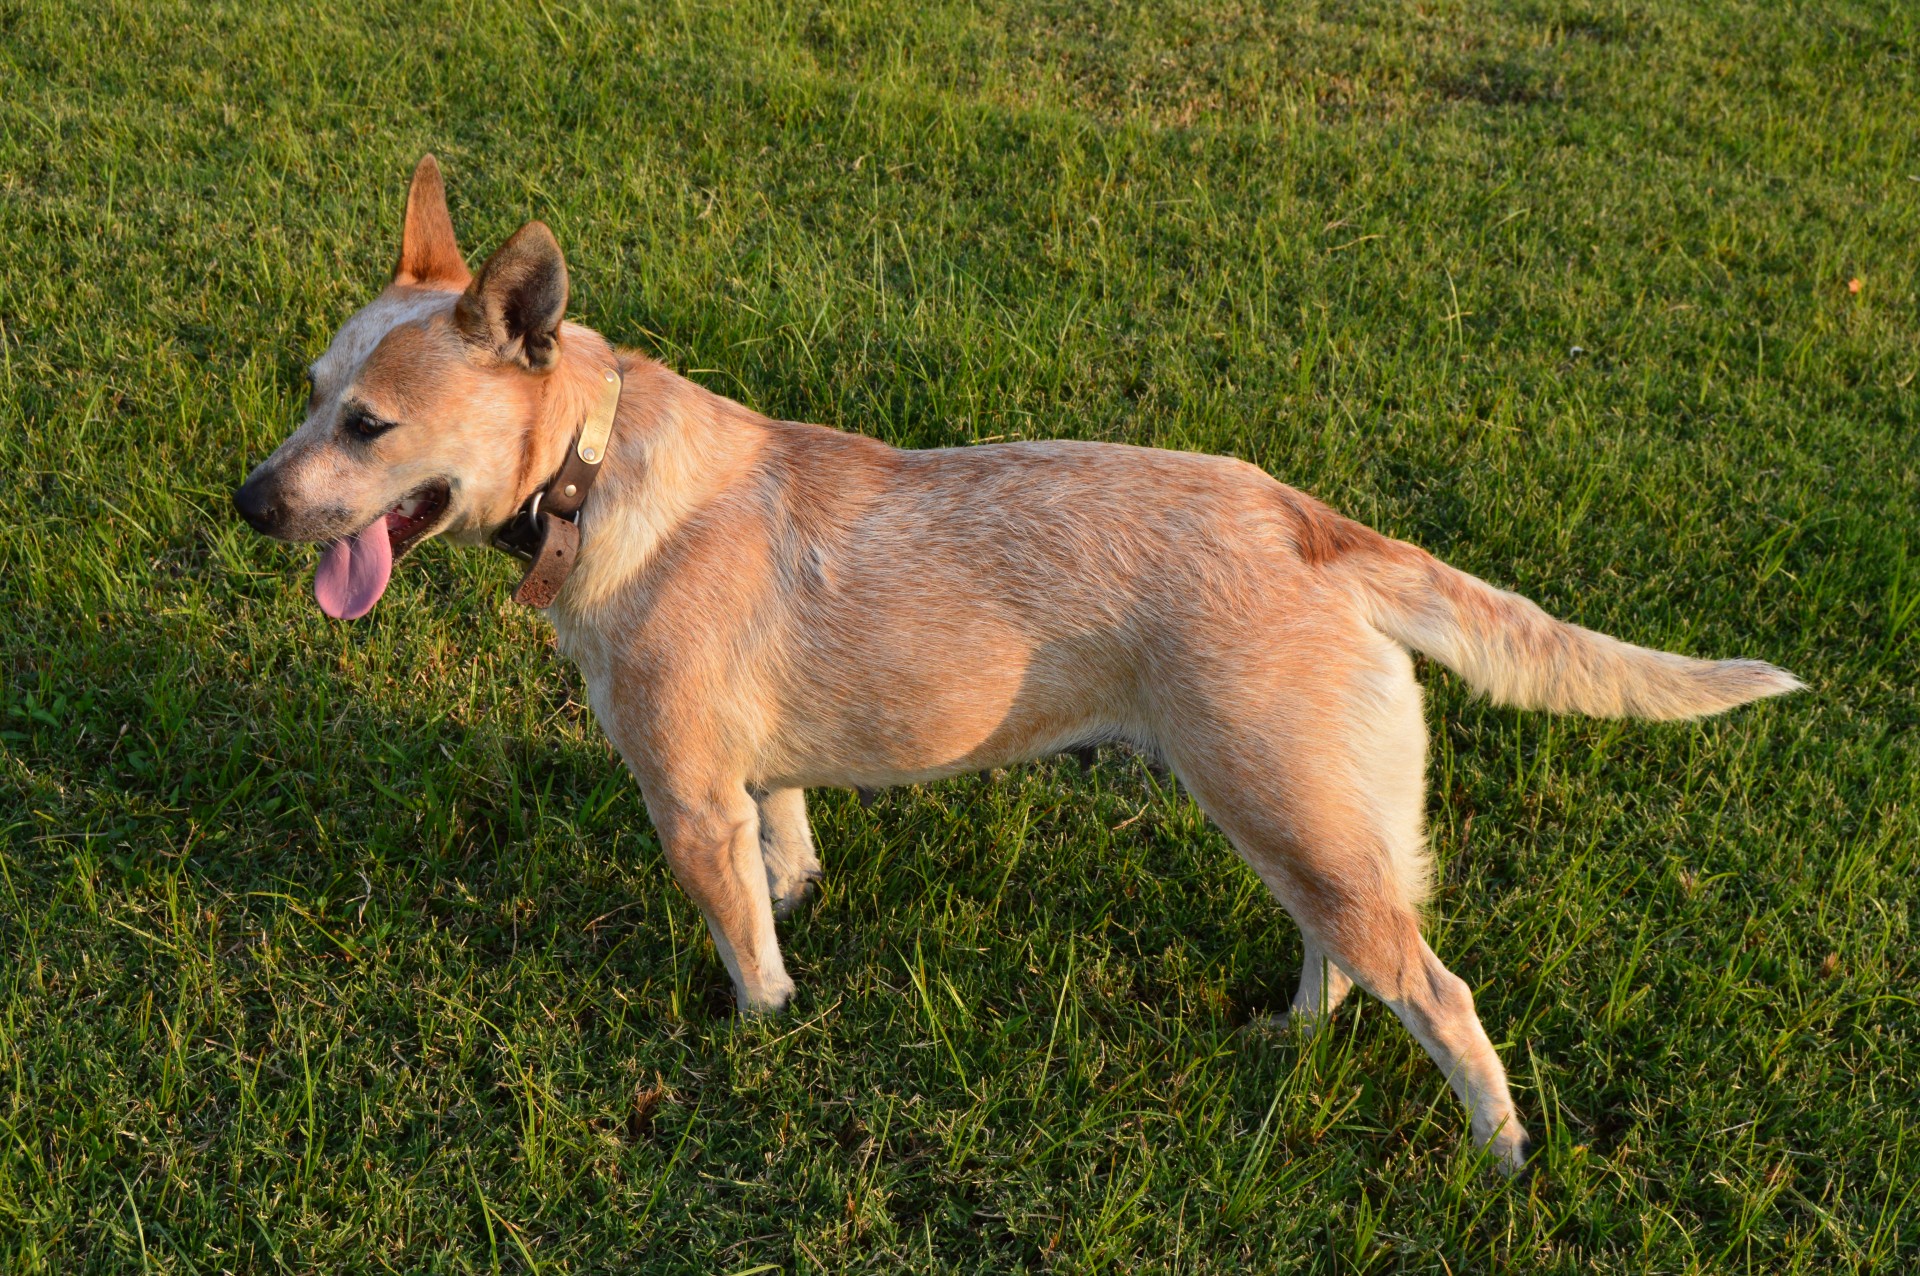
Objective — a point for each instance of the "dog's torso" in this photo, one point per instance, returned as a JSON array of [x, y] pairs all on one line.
[[840, 612]]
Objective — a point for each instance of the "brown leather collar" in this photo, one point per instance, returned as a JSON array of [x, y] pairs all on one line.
[[545, 534]]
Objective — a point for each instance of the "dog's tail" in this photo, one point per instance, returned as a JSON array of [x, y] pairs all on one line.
[[1511, 651]]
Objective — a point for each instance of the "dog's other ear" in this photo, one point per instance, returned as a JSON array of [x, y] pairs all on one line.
[[514, 305], [429, 254]]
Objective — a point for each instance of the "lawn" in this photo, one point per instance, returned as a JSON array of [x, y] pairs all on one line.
[[340, 948]]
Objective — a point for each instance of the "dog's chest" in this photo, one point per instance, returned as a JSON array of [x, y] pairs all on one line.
[[616, 692], [582, 643]]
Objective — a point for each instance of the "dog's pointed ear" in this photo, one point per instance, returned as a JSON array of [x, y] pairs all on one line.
[[514, 305], [429, 254]]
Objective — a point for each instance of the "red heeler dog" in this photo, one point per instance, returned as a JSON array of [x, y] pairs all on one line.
[[759, 607]]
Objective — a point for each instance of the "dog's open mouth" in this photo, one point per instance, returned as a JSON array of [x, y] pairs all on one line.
[[411, 519], [354, 570]]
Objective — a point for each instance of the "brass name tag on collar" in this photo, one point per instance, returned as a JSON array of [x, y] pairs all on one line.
[[591, 447]]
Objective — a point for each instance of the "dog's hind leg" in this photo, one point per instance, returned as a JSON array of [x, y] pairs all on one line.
[[1323, 986], [1335, 876], [1395, 964], [1321, 792], [786, 844]]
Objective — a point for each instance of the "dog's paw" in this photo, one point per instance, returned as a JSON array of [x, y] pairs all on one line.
[[1281, 1027], [1511, 1149], [767, 1000], [792, 891], [1291, 1025], [1516, 1161]]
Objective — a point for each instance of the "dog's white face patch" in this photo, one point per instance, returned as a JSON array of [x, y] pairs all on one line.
[[316, 473], [334, 370]]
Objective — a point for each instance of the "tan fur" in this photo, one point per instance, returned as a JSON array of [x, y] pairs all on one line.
[[761, 607]]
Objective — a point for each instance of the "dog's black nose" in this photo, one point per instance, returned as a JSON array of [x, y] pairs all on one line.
[[256, 503]]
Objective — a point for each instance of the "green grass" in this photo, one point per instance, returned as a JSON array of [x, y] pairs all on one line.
[[349, 948]]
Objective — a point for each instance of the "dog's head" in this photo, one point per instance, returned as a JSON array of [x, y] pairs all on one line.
[[428, 412]]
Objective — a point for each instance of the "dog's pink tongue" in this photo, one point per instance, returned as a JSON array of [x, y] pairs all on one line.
[[353, 573]]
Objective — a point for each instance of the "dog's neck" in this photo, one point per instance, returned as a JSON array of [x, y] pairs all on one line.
[[674, 447], [568, 392]]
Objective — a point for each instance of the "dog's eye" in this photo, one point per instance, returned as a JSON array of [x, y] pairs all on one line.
[[364, 425]]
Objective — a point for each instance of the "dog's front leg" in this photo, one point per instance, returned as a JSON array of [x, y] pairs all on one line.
[[712, 842], [786, 843]]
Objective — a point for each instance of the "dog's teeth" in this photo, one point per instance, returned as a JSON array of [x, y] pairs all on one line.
[[409, 507]]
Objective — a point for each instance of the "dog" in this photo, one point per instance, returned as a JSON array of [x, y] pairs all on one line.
[[760, 607]]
